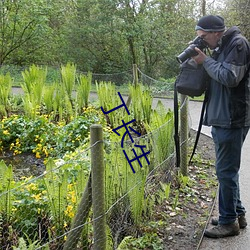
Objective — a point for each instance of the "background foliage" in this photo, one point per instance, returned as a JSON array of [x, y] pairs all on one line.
[[106, 36]]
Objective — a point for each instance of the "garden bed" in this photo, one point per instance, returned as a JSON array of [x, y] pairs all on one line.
[[178, 221], [179, 217]]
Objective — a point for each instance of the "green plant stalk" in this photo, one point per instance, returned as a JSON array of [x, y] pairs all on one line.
[[136, 183], [6, 184], [29, 108], [83, 90], [68, 74], [33, 85], [56, 186], [167, 190], [62, 105], [120, 180], [110, 99], [5, 89], [3, 111], [135, 93], [161, 124], [141, 110], [183, 180], [8, 200], [48, 98], [176, 199]]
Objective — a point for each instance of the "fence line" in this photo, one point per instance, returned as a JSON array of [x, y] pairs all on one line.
[[122, 204], [110, 208]]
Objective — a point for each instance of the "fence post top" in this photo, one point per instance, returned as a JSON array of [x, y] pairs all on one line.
[[96, 126]]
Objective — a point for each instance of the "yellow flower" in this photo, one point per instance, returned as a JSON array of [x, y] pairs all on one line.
[[38, 156], [12, 145], [14, 209], [26, 178], [17, 152], [37, 196], [6, 132], [69, 211], [73, 199], [45, 151], [31, 187]]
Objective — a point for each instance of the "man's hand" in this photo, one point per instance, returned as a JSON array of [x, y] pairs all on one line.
[[200, 58]]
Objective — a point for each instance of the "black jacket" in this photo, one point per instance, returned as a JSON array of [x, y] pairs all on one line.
[[229, 90]]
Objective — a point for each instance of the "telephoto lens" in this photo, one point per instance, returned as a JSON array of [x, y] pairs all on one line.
[[190, 50]]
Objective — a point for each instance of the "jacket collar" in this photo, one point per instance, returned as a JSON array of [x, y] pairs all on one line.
[[231, 32]]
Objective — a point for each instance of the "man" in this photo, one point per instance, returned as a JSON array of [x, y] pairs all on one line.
[[228, 112]]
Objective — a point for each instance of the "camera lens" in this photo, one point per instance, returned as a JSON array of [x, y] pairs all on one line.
[[190, 50], [187, 53]]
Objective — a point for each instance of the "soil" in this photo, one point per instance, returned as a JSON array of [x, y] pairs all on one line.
[[25, 164]]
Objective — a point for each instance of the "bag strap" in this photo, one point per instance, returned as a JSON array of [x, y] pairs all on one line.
[[199, 127]]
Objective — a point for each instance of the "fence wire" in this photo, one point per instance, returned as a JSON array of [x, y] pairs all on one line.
[[45, 210], [158, 87], [37, 199]]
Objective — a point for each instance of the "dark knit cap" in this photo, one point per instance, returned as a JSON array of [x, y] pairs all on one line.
[[210, 23]]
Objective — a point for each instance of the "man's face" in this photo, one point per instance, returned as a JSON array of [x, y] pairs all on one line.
[[211, 38]]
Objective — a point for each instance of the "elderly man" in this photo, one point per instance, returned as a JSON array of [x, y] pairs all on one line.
[[228, 112]]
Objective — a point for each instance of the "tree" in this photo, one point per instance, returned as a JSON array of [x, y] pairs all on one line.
[[108, 36], [102, 36], [95, 41], [20, 22], [237, 13]]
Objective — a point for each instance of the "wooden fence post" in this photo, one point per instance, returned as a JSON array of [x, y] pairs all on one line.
[[135, 82], [98, 194], [135, 74]]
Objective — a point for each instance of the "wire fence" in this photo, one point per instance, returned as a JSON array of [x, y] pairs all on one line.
[[160, 87], [56, 210]]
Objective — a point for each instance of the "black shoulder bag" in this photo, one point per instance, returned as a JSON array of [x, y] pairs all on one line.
[[191, 81]]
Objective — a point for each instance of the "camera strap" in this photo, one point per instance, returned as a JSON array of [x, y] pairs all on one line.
[[176, 126]]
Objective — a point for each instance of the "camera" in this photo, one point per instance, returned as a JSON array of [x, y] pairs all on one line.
[[190, 51]]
